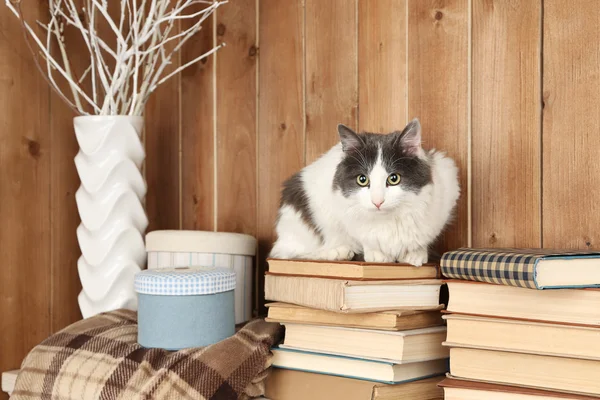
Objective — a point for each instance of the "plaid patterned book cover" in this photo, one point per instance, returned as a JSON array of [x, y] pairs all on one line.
[[510, 267]]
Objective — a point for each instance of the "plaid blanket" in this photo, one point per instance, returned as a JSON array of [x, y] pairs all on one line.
[[99, 358]]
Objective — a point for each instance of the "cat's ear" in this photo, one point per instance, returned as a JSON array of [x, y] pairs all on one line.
[[349, 138], [410, 138]]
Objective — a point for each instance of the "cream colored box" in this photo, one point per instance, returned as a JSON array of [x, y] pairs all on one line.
[[235, 251]]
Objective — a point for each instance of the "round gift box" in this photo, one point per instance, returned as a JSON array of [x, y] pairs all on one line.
[[234, 251], [185, 307]]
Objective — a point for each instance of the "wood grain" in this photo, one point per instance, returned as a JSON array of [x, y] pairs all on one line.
[[438, 91], [197, 133], [331, 72], [64, 215], [236, 118], [571, 125], [506, 115], [25, 159], [346, 61], [382, 66], [281, 117], [65, 218], [162, 141]]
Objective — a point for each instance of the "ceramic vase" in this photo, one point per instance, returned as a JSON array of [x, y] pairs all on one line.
[[110, 201]]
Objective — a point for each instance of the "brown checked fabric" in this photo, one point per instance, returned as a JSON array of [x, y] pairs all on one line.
[[99, 358]]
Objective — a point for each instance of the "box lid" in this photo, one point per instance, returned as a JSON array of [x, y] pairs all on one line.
[[184, 281], [201, 242]]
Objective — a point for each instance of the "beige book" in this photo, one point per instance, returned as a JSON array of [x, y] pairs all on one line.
[[287, 384], [529, 370], [513, 302], [344, 295], [9, 378], [522, 336], [397, 346], [385, 320], [455, 389], [352, 269], [358, 368]]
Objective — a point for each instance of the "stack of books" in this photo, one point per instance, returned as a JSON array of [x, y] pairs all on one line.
[[356, 331], [522, 324]]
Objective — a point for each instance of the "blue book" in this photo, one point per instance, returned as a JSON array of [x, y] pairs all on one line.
[[357, 368], [527, 268]]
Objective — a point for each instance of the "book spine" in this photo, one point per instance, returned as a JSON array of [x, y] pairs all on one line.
[[502, 269], [322, 294]]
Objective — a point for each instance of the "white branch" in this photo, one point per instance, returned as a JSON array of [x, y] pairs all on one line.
[[184, 66], [146, 42], [55, 64]]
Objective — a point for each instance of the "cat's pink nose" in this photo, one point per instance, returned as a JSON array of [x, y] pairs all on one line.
[[378, 204]]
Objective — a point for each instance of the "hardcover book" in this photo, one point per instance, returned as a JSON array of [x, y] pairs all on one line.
[[522, 336], [384, 320], [527, 268], [458, 389], [352, 269], [359, 368], [528, 370], [343, 295], [485, 299], [287, 384], [401, 346]]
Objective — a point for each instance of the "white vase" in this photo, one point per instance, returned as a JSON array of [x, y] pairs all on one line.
[[110, 202]]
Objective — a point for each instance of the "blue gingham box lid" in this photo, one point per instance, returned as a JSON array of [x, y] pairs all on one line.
[[184, 281]]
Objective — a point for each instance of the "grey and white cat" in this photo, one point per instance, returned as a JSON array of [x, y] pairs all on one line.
[[376, 194]]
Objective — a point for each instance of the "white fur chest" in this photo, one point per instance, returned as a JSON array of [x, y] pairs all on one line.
[[392, 234]]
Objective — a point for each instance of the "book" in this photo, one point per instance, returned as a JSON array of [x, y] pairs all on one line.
[[9, 378], [352, 269], [384, 320], [344, 295], [512, 302], [456, 389], [287, 384], [399, 346], [358, 368], [529, 268], [529, 370], [522, 336]]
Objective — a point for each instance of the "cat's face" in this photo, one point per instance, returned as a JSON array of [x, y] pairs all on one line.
[[380, 172]]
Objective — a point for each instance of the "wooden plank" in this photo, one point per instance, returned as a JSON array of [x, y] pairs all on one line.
[[236, 117], [25, 161], [438, 91], [281, 117], [197, 133], [162, 141], [331, 72], [382, 73], [65, 285], [64, 248], [571, 122], [506, 116], [65, 218]]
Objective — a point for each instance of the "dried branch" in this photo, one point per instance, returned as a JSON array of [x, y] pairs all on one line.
[[119, 77]]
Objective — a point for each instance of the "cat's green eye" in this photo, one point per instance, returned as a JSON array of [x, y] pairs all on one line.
[[362, 180], [393, 179]]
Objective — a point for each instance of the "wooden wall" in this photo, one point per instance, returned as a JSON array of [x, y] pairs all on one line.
[[510, 89], [38, 275]]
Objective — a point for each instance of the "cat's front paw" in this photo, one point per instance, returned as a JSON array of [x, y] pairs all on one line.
[[341, 253], [376, 256], [416, 257]]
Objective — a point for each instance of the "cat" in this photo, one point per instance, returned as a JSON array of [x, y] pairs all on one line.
[[378, 195]]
